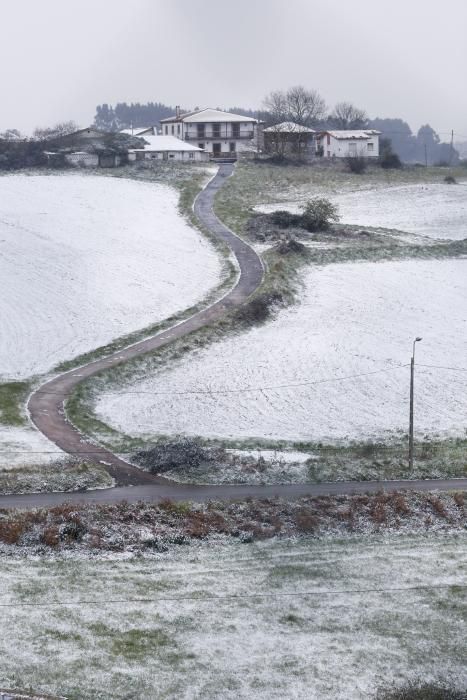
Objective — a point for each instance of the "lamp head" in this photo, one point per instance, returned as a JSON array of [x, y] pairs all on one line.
[[418, 339]]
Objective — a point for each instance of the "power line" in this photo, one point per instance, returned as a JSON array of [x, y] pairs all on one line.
[[454, 369], [240, 390], [233, 596]]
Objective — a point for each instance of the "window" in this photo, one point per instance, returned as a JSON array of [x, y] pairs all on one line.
[[191, 155], [166, 129], [232, 147], [216, 130], [178, 128], [201, 145], [200, 130], [236, 131], [370, 146], [171, 155], [328, 139], [173, 129]]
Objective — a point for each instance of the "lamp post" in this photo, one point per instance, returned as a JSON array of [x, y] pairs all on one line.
[[412, 371]]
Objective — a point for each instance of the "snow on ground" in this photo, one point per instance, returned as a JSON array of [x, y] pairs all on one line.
[[85, 259], [326, 619], [25, 446], [348, 337], [437, 211]]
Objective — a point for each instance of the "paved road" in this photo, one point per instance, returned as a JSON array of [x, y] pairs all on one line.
[[46, 405]]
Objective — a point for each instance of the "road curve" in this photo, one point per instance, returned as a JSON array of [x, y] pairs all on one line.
[[46, 405]]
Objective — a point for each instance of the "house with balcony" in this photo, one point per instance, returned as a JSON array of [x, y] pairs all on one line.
[[221, 134], [342, 144]]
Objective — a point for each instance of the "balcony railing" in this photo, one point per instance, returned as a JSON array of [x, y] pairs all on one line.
[[223, 155], [195, 136]]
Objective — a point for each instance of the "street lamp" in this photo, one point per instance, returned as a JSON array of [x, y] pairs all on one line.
[[412, 370]]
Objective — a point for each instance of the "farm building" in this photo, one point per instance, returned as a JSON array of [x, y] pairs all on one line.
[[288, 137], [84, 159], [221, 134], [341, 144], [167, 148], [140, 131]]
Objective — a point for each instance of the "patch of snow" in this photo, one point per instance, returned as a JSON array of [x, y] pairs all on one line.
[[26, 445], [436, 211], [326, 369], [325, 619], [85, 259]]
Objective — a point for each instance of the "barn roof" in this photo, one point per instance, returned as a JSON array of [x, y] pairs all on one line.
[[353, 134], [289, 128]]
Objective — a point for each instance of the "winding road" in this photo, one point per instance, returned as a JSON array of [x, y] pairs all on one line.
[[46, 404]]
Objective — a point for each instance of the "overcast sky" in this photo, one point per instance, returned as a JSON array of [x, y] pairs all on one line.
[[395, 58]]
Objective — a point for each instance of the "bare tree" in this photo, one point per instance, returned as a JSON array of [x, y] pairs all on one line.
[[305, 107], [276, 106], [347, 116], [11, 135], [60, 129]]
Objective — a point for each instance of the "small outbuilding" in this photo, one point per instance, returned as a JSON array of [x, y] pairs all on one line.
[[167, 148], [342, 144], [288, 137]]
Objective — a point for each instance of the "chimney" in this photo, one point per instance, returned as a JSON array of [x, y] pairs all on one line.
[[177, 111]]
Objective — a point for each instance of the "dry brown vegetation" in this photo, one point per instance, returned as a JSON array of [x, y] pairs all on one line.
[[146, 526]]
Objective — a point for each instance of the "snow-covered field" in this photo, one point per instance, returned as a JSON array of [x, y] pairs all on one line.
[[436, 211], [323, 619], [25, 446], [326, 369], [85, 259]]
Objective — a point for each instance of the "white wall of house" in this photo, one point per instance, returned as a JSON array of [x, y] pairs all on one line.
[[88, 160], [186, 156], [230, 136], [341, 148]]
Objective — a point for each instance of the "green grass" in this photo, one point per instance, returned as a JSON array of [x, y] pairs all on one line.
[[12, 398]]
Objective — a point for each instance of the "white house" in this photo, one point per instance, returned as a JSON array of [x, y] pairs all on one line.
[[221, 134], [341, 144], [167, 148]]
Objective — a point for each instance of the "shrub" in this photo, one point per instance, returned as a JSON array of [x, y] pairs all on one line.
[[179, 453], [259, 308], [285, 219], [318, 214], [356, 164], [450, 180], [290, 245], [390, 161]]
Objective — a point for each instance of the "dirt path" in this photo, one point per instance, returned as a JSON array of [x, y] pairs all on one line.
[[46, 405]]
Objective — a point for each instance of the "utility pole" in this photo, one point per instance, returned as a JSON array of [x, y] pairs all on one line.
[[451, 152], [412, 372], [426, 157]]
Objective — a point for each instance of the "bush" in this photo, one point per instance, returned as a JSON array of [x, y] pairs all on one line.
[[318, 214], [259, 308], [179, 453], [290, 245], [356, 164], [285, 219], [390, 161], [450, 180]]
